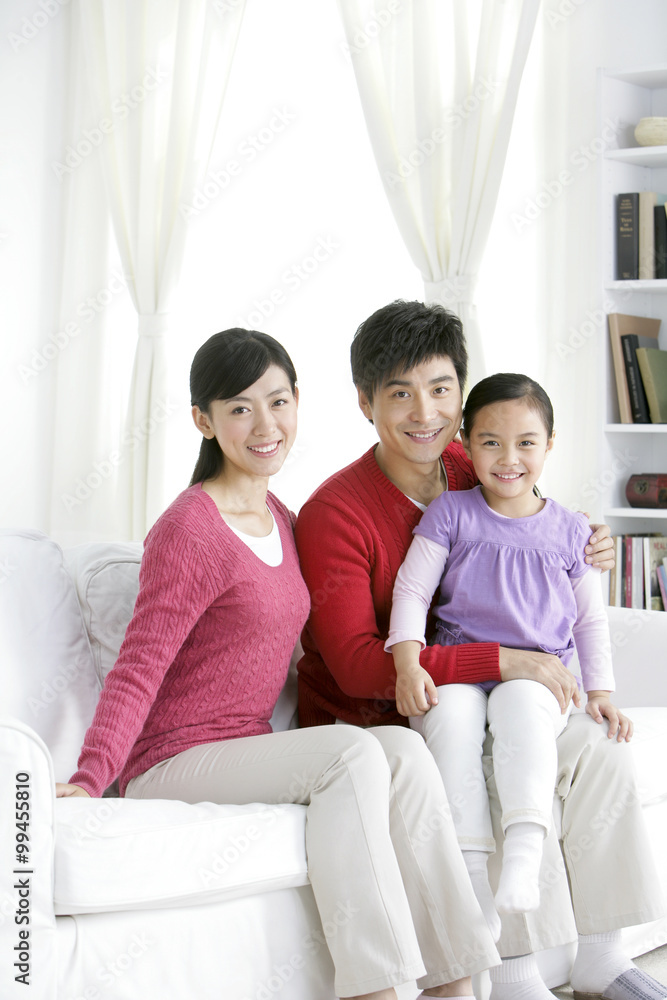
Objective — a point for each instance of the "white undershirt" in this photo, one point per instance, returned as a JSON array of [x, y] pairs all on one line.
[[268, 548]]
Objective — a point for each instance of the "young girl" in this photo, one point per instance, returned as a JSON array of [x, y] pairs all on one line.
[[515, 574], [185, 712]]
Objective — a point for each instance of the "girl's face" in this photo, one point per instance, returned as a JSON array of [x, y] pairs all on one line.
[[508, 446], [255, 429]]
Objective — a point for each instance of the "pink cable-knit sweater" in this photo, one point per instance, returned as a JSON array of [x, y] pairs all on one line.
[[207, 650]]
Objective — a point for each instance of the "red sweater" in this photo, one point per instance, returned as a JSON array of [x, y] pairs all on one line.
[[207, 650], [352, 536]]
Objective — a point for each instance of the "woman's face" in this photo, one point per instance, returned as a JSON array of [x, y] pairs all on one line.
[[255, 429]]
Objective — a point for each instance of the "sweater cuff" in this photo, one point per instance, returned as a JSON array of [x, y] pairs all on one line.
[[477, 658]]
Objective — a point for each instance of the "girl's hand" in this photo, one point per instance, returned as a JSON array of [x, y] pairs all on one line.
[[599, 707], [65, 791], [415, 691], [600, 548]]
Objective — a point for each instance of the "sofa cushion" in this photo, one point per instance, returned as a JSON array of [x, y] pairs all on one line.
[[48, 679], [106, 576], [126, 854]]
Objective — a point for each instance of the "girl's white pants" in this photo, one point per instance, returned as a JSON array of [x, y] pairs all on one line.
[[379, 838], [524, 719]]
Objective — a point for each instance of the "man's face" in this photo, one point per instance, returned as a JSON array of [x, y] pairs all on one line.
[[416, 413]]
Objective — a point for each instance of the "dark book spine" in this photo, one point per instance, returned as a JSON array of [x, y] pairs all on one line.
[[638, 400], [627, 236], [660, 219]]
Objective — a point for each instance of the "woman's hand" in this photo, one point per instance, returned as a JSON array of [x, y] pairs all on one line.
[[65, 791], [545, 668], [599, 707], [600, 548]]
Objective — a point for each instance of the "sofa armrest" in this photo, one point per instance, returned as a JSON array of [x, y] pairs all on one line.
[[27, 919]]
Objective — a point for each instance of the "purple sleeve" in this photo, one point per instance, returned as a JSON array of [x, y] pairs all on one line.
[[437, 520]]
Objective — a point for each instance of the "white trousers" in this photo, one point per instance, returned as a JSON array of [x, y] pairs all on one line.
[[609, 879], [379, 840], [524, 719]]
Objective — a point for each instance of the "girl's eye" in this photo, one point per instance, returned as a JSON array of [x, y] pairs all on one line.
[[529, 443], [240, 409], [490, 444], [280, 402]]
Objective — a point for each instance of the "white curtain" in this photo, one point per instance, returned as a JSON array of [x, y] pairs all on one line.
[[157, 73], [438, 81]]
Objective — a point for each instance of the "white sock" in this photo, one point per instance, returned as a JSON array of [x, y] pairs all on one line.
[[476, 864], [600, 959], [519, 885], [518, 979]]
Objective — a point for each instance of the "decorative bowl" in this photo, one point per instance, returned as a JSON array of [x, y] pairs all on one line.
[[651, 132]]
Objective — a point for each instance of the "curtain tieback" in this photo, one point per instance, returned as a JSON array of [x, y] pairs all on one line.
[[153, 324], [450, 291]]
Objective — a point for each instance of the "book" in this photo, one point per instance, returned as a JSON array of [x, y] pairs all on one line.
[[647, 489], [653, 368], [646, 268], [660, 240], [627, 236], [616, 574], [662, 583], [637, 594], [654, 551], [638, 401], [627, 571], [620, 324]]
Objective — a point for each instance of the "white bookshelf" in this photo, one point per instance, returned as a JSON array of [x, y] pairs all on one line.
[[625, 96]]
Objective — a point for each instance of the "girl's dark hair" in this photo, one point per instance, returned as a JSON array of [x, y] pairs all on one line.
[[401, 335], [224, 367], [503, 386]]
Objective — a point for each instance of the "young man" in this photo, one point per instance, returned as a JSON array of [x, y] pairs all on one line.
[[409, 364]]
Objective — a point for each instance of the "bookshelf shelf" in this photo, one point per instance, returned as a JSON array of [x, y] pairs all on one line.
[[635, 512], [640, 156], [656, 286], [636, 429]]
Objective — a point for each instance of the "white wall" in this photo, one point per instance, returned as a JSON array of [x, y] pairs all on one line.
[[314, 181]]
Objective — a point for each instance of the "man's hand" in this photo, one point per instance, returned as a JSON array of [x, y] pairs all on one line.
[[545, 668], [66, 791], [599, 707], [600, 548]]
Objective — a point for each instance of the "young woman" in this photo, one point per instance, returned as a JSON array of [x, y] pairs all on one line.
[[514, 570], [185, 711]]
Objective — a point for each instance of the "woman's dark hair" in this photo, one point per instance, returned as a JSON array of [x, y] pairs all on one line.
[[401, 335], [503, 386], [224, 367]]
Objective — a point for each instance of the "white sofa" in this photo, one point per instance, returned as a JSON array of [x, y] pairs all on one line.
[[129, 899]]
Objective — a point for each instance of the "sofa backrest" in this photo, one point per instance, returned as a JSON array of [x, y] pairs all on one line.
[[48, 677], [63, 616]]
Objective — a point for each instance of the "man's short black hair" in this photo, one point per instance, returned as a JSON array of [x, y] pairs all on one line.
[[401, 335]]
